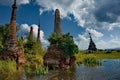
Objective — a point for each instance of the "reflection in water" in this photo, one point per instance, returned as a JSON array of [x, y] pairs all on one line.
[[62, 75], [109, 70]]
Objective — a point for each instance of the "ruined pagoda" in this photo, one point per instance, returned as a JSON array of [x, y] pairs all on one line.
[[54, 55], [38, 35], [31, 34], [11, 48], [92, 46], [57, 22]]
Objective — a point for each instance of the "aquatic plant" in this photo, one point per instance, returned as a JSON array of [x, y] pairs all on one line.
[[91, 61]]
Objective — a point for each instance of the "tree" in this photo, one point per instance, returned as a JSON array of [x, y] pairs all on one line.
[[64, 42], [33, 47], [3, 35]]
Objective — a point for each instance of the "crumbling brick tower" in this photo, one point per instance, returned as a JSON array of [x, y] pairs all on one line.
[[12, 39], [57, 22], [92, 46], [38, 35], [11, 49], [31, 33]]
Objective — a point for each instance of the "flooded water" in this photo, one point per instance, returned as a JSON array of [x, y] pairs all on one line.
[[109, 70]]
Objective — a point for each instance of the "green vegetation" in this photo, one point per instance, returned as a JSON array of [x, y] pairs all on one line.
[[8, 70], [83, 55], [91, 61], [33, 52], [64, 42], [34, 55], [3, 35]]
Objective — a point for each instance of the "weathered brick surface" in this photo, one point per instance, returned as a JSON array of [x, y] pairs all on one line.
[[11, 49]]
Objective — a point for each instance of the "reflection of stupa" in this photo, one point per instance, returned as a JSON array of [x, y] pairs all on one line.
[[11, 48], [92, 46], [57, 22]]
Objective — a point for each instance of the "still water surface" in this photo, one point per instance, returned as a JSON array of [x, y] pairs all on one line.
[[109, 70]]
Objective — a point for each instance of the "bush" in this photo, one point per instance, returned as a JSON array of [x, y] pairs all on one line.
[[35, 64], [64, 42], [108, 52]]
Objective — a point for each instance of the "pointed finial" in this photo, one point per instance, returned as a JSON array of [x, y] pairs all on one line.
[[15, 1], [39, 23], [15, 4], [90, 35]]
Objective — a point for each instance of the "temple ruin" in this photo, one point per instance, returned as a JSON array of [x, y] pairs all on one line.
[[11, 48], [92, 46], [55, 57]]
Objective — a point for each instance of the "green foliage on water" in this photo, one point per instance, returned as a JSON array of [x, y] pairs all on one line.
[[92, 61], [64, 42]]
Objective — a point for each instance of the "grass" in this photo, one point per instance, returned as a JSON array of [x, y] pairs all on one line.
[[34, 66], [82, 55], [8, 70]]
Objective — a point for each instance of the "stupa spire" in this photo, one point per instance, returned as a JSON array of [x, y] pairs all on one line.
[[31, 33], [14, 6], [11, 48], [12, 27], [92, 46], [57, 22], [38, 35]]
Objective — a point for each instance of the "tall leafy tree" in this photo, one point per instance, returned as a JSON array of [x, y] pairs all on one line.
[[64, 42]]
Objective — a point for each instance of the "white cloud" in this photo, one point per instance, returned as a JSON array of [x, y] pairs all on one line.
[[80, 9], [110, 26], [23, 1], [87, 13], [111, 36], [95, 33], [25, 29], [111, 44], [10, 2], [82, 42]]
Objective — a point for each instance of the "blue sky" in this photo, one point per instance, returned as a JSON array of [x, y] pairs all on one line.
[[100, 17]]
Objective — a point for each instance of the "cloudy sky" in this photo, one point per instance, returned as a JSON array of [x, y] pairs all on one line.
[[99, 17]]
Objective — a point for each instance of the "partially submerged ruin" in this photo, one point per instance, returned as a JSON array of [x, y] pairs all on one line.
[[56, 57], [11, 48]]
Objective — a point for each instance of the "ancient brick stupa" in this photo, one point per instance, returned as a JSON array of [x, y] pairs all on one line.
[[11, 49], [92, 46], [49, 58], [55, 56]]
